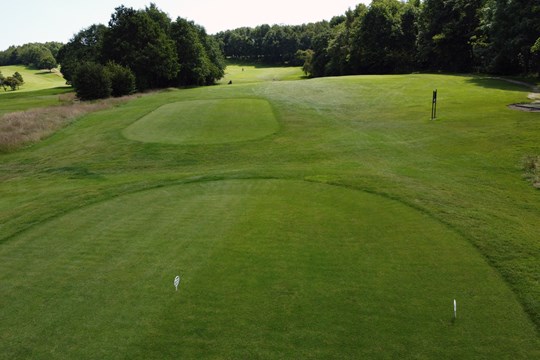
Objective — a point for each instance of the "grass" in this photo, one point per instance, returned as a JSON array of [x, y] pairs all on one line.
[[345, 234], [245, 74], [205, 122], [22, 128], [41, 88], [34, 79]]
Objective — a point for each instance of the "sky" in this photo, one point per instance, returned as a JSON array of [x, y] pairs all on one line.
[[59, 20]]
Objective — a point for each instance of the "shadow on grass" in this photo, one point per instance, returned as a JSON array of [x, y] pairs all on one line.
[[44, 72], [499, 84]]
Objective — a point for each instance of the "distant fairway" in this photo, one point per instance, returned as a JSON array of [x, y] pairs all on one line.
[[34, 79], [205, 122], [245, 74], [317, 219], [41, 88]]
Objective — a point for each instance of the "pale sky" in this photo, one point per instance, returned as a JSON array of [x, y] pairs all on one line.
[[58, 20]]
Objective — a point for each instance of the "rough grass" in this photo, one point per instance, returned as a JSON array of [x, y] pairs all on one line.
[[21, 128], [531, 166]]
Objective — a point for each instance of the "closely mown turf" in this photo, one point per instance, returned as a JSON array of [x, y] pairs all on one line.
[[205, 122], [346, 233], [269, 269], [245, 74], [34, 79]]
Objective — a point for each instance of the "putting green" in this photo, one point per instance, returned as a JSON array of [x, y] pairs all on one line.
[[205, 122], [269, 268]]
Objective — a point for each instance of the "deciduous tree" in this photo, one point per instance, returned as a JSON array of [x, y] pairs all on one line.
[[137, 40]]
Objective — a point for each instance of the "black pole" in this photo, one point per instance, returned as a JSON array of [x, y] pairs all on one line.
[[434, 105]]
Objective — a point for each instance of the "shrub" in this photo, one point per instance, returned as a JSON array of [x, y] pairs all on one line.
[[122, 79], [92, 81]]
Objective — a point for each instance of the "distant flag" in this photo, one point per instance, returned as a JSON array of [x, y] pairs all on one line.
[[455, 309], [176, 282]]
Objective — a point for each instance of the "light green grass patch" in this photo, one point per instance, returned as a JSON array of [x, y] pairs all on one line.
[[269, 268], [243, 74], [205, 122], [33, 79]]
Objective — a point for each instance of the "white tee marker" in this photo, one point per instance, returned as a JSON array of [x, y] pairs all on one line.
[[455, 309], [176, 282]]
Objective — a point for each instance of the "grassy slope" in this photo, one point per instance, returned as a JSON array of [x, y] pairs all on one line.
[[34, 79], [41, 88], [367, 133]]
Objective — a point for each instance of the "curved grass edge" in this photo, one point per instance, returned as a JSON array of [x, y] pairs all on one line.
[[138, 131]]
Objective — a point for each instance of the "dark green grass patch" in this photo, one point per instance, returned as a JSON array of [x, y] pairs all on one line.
[[270, 269], [205, 122]]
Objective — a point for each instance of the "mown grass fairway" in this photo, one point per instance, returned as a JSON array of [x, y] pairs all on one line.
[[245, 74], [346, 233], [34, 79], [41, 88]]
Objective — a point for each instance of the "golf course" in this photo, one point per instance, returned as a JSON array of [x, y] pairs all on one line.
[[324, 218]]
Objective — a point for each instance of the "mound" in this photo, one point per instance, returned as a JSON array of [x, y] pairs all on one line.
[[205, 122]]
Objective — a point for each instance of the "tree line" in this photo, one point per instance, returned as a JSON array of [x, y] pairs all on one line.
[[392, 36], [143, 49], [36, 55]]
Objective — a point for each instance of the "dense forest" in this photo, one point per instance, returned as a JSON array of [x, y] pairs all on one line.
[[392, 36]]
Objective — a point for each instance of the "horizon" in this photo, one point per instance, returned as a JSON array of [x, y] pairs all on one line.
[[62, 19]]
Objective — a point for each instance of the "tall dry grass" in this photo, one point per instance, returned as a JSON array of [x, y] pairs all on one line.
[[531, 165], [25, 127]]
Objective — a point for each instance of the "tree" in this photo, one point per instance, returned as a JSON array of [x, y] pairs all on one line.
[[19, 77], [91, 81], [47, 61], [320, 54], [216, 62], [507, 32], [85, 46], [122, 79], [446, 31], [281, 44], [382, 39], [11, 82], [136, 40], [306, 56], [191, 54], [536, 47]]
